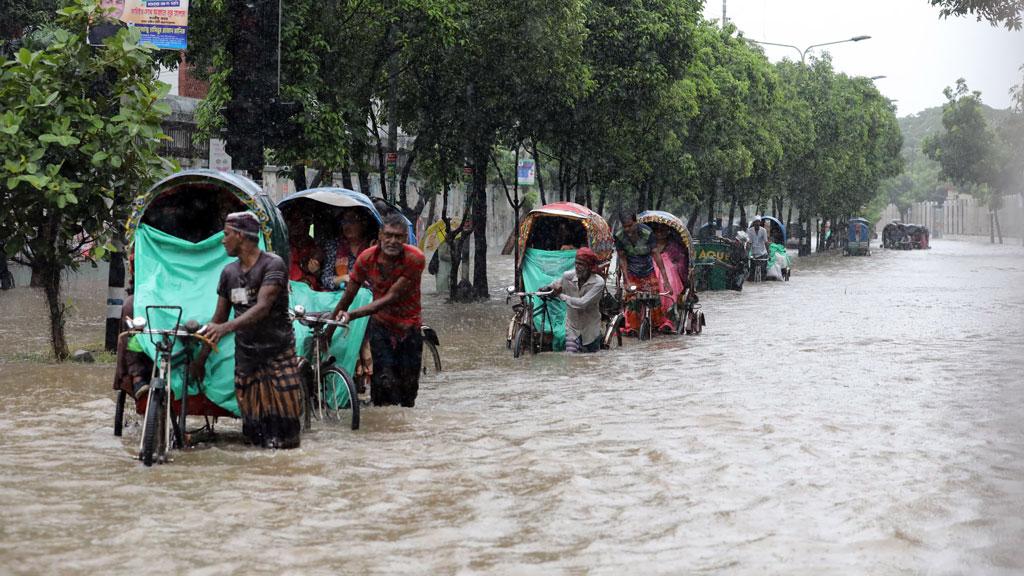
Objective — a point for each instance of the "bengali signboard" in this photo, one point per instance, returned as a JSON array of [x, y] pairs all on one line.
[[526, 172], [163, 23]]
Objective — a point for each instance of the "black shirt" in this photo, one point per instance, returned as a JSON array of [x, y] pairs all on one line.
[[266, 339]]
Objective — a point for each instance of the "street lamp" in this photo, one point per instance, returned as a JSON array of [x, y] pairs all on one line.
[[873, 78], [803, 53], [805, 248]]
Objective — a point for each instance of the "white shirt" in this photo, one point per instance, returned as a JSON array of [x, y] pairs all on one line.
[[758, 241], [582, 306]]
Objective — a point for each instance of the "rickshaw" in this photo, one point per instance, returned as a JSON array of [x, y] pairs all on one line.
[[720, 263], [547, 243], [779, 264], [681, 305], [905, 236], [893, 234], [858, 241], [175, 260], [346, 359], [917, 237]]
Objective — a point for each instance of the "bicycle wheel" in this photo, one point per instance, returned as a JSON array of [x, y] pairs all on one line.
[[433, 363], [645, 328], [306, 376], [613, 331], [340, 393], [181, 434], [153, 431], [119, 412], [521, 341]]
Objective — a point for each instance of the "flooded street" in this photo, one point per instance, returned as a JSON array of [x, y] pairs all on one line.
[[864, 418]]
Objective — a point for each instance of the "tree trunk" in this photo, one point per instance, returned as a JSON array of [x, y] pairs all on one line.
[[711, 206], [392, 107], [600, 200], [991, 227], [743, 217], [691, 222], [364, 181], [480, 288], [51, 286], [732, 209], [381, 167], [403, 184], [346, 177], [540, 178], [999, 230], [789, 217], [299, 177], [432, 210]]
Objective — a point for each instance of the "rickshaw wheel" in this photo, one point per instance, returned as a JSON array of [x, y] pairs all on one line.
[[151, 431], [335, 380], [645, 329], [520, 341], [434, 361], [306, 376], [119, 412], [613, 330]]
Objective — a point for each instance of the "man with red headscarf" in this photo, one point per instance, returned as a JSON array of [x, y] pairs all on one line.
[[581, 289]]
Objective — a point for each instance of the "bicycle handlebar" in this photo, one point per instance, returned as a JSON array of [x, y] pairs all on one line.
[[316, 319], [540, 293], [174, 333]]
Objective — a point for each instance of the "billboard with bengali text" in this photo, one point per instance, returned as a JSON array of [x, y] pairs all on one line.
[[163, 23]]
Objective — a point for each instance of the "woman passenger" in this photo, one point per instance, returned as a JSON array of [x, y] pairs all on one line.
[[675, 258], [341, 253]]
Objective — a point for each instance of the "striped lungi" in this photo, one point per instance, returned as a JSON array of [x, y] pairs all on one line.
[[270, 399]]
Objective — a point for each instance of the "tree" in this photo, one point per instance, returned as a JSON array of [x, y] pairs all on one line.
[[21, 16], [80, 131], [967, 151], [1007, 12]]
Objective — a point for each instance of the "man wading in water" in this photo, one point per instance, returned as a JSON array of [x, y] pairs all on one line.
[[392, 269], [267, 381]]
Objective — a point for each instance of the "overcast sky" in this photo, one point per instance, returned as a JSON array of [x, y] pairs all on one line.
[[917, 52]]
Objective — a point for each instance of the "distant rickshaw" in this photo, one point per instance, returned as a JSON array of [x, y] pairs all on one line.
[[548, 239], [779, 263], [897, 235], [175, 259], [678, 254], [721, 263], [918, 237], [858, 241]]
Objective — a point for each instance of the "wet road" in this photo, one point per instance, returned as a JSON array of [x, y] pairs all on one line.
[[864, 418]]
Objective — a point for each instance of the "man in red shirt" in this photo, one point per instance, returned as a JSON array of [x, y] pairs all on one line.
[[392, 269]]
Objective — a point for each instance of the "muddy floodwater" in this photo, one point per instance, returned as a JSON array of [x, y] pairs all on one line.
[[865, 418]]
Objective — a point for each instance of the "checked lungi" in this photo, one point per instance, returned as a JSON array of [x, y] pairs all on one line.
[[270, 400]]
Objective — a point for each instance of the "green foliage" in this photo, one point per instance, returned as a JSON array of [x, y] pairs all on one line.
[[1007, 12], [80, 127], [966, 151]]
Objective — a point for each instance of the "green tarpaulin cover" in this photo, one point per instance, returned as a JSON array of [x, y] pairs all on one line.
[[778, 250], [345, 344], [540, 268], [170, 271]]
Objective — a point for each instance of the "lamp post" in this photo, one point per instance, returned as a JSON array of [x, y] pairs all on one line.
[[805, 247], [803, 53]]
